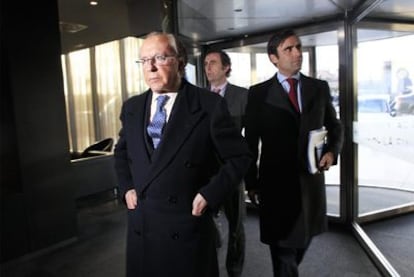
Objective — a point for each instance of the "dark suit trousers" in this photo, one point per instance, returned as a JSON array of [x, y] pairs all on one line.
[[286, 260], [234, 209]]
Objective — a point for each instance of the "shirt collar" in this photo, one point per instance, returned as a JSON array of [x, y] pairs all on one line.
[[281, 78], [221, 87]]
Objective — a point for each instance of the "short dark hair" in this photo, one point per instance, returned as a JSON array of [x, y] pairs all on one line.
[[224, 57], [278, 39]]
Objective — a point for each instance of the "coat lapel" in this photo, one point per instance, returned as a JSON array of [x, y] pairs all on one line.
[[229, 94], [184, 117], [137, 125], [278, 97], [308, 90]]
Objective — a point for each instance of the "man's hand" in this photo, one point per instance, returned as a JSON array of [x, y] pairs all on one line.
[[254, 197], [131, 199], [326, 161], [199, 205]]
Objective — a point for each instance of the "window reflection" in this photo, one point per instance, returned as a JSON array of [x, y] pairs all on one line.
[[240, 69], [95, 91], [79, 91], [108, 88], [135, 83], [264, 68], [385, 136], [327, 68]]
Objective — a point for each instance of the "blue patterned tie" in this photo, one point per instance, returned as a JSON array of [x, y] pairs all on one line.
[[155, 127]]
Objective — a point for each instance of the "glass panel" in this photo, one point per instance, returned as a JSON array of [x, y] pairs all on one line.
[[264, 68], [68, 113], [384, 130], [79, 80], [327, 68], [108, 88], [240, 69], [191, 73], [80, 92], [305, 62], [135, 83]]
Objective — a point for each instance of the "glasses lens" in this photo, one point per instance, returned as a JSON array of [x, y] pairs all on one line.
[[160, 59]]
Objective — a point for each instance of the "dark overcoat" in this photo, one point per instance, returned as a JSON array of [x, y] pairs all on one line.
[[236, 98], [201, 151], [292, 201]]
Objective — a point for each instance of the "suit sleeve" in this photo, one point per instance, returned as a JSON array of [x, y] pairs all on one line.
[[232, 152], [332, 124], [121, 161], [252, 137]]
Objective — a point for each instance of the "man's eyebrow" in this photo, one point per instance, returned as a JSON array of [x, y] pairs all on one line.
[[298, 45]]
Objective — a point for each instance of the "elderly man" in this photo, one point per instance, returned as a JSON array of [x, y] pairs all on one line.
[[179, 155]]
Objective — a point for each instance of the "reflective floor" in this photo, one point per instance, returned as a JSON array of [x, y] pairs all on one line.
[[371, 198], [99, 250], [395, 239]]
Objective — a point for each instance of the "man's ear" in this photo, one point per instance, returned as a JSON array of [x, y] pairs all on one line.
[[226, 67], [273, 58], [181, 65]]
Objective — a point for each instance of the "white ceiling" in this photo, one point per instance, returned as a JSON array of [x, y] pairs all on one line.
[[210, 20]]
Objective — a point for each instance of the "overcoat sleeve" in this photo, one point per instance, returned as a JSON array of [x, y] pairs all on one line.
[[232, 152]]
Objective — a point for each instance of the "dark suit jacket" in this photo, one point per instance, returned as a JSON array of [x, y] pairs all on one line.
[[236, 98], [293, 202], [201, 151]]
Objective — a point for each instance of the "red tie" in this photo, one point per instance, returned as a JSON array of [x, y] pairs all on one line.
[[292, 93]]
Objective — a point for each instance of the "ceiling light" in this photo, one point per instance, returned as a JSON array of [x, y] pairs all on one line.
[[67, 27], [79, 45], [93, 3]]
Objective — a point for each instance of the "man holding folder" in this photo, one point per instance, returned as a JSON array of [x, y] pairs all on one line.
[[281, 112]]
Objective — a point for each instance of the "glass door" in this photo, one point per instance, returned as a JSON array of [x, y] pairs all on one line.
[[384, 134], [384, 130]]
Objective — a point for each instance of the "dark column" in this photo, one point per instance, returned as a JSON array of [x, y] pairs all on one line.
[[37, 203]]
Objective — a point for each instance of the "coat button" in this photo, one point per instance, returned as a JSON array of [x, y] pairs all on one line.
[[175, 236], [142, 196], [138, 233], [188, 164]]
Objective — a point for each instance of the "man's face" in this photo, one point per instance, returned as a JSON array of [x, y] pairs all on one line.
[[164, 76], [214, 69], [289, 61]]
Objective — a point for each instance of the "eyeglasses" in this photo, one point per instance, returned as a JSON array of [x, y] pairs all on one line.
[[157, 60]]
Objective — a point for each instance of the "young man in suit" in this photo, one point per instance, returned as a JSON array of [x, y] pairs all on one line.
[[178, 157], [217, 67], [292, 201]]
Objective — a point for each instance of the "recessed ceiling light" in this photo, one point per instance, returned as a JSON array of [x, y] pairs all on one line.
[[80, 45], [93, 3], [68, 27]]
